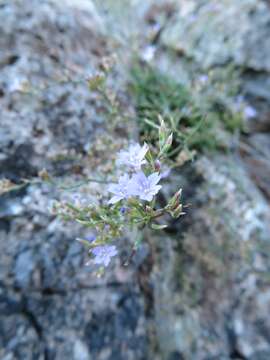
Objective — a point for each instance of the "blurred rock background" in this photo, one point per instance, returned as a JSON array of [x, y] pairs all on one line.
[[202, 290]]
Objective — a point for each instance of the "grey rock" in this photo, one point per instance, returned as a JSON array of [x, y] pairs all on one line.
[[212, 35], [24, 267], [218, 32], [210, 297], [40, 73], [198, 292], [51, 305]]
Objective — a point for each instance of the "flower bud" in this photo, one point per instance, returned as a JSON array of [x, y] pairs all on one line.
[[162, 132], [168, 143], [157, 165], [174, 201], [177, 212], [169, 140]]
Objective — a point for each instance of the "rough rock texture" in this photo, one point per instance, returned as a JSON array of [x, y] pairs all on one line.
[[211, 281], [223, 39], [212, 34], [51, 305], [42, 49], [202, 291]]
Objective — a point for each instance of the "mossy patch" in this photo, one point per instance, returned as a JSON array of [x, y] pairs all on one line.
[[194, 127]]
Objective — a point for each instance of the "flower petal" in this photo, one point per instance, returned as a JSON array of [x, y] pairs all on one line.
[[154, 178], [115, 199]]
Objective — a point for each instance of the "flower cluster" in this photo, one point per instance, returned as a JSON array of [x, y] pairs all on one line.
[[137, 184], [132, 202]]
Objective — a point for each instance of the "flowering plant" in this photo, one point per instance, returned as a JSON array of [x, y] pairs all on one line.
[[132, 200]]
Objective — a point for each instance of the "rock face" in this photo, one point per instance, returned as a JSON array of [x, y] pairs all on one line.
[[199, 292], [51, 305], [211, 297], [45, 54], [207, 31], [218, 261], [219, 33]]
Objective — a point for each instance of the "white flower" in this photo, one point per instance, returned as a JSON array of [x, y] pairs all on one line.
[[250, 112], [148, 53], [145, 187], [134, 157], [121, 190], [103, 254]]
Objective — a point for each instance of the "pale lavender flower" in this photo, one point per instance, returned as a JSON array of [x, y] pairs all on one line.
[[133, 157], [203, 79], [103, 254], [250, 112], [148, 53], [145, 187], [121, 190]]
